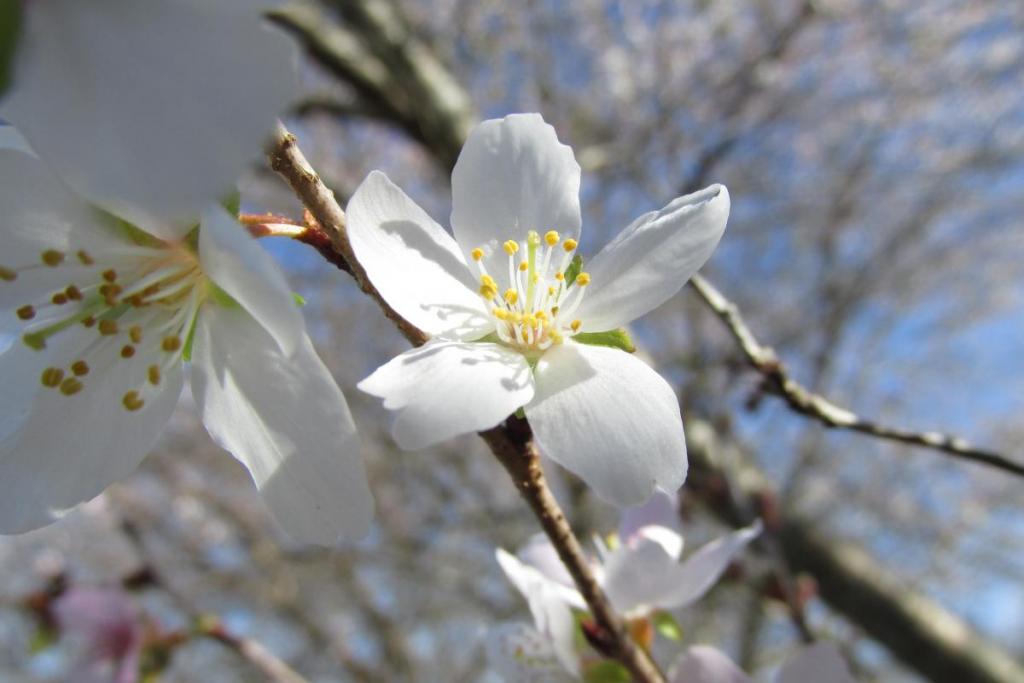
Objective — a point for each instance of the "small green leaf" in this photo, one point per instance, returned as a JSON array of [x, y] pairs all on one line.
[[607, 672], [10, 31], [573, 270], [233, 203], [667, 626], [42, 639], [616, 339], [186, 353], [300, 300]]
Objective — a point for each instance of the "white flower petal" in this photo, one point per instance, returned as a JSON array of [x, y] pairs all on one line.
[[444, 389], [638, 577], [549, 606], [669, 539], [238, 264], [661, 510], [151, 130], [10, 138], [518, 653], [542, 556], [513, 175], [820, 662], [705, 664], [609, 418], [286, 420], [57, 451], [414, 264], [652, 259]]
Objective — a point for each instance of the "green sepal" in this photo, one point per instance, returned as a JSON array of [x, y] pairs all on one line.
[[607, 672], [10, 32], [489, 338], [233, 203], [299, 300], [575, 266], [617, 339], [186, 353], [667, 626], [520, 413]]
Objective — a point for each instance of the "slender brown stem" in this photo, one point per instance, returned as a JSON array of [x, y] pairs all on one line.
[[511, 443]]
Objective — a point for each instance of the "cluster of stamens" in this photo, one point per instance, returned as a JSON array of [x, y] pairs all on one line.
[[535, 308], [143, 313]]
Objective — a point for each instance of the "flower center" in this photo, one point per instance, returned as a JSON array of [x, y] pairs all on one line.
[[534, 305], [137, 304]]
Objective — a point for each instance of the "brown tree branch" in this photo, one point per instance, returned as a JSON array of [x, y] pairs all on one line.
[[511, 443], [777, 381]]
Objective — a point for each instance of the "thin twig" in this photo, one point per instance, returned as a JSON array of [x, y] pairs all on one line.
[[511, 443], [805, 402]]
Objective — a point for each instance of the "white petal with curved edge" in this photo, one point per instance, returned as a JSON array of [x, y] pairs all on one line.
[[239, 265], [542, 556], [652, 259], [705, 664], [57, 451], [414, 264], [152, 132], [11, 138], [549, 604], [609, 418], [444, 389], [820, 662], [518, 653], [661, 510], [638, 577], [513, 175], [286, 420]]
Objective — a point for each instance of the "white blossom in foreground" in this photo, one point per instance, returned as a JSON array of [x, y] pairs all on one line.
[[818, 663], [98, 317], [507, 312], [641, 575], [149, 109]]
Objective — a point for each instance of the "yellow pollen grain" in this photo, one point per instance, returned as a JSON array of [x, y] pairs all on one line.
[[154, 374], [170, 344], [551, 237], [560, 276], [71, 386], [108, 327], [510, 247], [533, 238], [488, 292], [551, 291], [80, 368], [501, 314], [84, 257], [59, 299], [52, 257], [524, 266], [110, 275], [554, 310], [556, 338], [127, 351], [132, 401], [511, 296], [7, 275], [89, 321], [135, 334], [477, 254], [569, 244], [73, 293], [583, 279], [26, 312], [576, 324], [52, 377], [487, 281]]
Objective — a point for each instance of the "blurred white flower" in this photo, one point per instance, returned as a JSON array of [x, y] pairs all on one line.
[[518, 653], [150, 110], [818, 663], [507, 310], [99, 317], [107, 632]]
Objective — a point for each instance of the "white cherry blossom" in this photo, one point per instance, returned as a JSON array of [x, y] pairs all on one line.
[[817, 663], [507, 315], [149, 109], [98, 317]]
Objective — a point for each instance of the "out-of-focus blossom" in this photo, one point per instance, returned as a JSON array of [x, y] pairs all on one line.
[[818, 663], [150, 110], [99, 317], [516, 324], [518, 653], [107, 633]]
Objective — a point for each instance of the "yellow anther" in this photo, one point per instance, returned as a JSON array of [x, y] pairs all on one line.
[[84, 257], [52, 377], [53, 258], [110, 275], [7, 275], [170, 344], [59, 299], [583, 279], [551, 237], [132, 401], [569, 244], [576, 324], [487, 281], [88, 321], [554, 310], [127, 351], [551, 291], [556, 338], [73, 293], [71, 386], [510, 247], [80, 368], [477, 254], [524, 266], [154, 374], [135, 333], [26, 312], [533, 238], [488, 292], [511, 296], [560, 276], [530, 320], [501, 314], [108, 327], [541, 315]]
